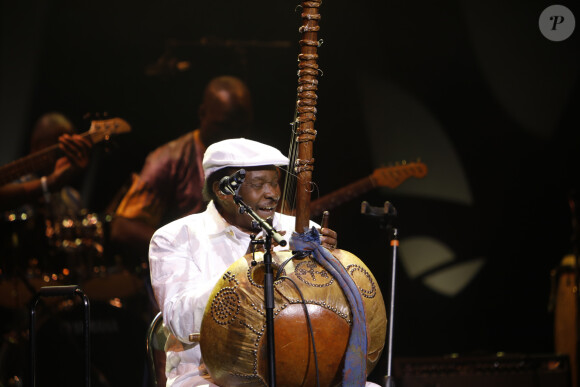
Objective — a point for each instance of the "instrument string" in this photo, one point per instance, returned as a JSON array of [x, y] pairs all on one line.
[[305, 306], [289, 194]]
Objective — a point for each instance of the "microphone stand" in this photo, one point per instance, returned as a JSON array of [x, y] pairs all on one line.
[[271, 233], [389, 382], [385, 215]]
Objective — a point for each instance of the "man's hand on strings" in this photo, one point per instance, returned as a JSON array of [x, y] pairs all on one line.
[[260, 246], [76, 148], [77, 155]]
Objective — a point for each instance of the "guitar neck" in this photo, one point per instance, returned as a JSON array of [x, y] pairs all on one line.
[[44, 160], [38, 162], [343, 195]]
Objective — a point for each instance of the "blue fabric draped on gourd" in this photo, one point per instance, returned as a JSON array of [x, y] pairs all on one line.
[[354, 372]]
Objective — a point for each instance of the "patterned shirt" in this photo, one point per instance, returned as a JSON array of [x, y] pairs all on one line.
[[169, 185]]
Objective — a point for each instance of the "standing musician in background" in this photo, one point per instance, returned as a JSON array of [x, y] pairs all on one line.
[[170, 184], [189, 255]]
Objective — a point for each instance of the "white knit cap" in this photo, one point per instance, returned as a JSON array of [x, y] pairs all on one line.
[[240, 152]]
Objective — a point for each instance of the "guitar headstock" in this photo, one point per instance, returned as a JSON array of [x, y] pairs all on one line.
[[104, 129], [394, 175]]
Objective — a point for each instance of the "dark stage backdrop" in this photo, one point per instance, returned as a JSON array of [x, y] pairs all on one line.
[[472, 89]]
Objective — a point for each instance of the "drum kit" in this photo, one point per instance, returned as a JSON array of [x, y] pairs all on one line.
[[71, 249]]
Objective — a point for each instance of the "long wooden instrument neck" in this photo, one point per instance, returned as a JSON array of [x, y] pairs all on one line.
[[306, 110]]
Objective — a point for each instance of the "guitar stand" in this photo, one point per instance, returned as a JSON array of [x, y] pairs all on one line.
[[386, 214], [59, 291]]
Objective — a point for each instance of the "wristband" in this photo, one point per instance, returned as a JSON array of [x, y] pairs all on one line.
[[45, 191]]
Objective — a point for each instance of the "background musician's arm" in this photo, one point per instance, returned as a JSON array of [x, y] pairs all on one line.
[[136, 218], [77, 153], [132, 234], [142, 207]]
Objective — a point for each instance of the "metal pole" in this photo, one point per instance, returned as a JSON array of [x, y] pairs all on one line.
[[388, 378], [63, 291]]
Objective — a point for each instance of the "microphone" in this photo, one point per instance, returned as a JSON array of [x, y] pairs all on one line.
[[229, 185]]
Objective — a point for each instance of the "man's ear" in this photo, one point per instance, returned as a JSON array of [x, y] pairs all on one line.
[[216, 190]]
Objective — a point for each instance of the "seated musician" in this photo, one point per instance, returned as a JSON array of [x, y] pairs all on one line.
[[189, 255], [33, 198]]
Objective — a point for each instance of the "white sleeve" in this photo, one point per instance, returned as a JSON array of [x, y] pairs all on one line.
[[180, 287]]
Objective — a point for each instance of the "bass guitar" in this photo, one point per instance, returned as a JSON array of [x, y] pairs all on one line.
[[100, 130]]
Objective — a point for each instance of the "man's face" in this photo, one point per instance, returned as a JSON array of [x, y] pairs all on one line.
[[261, 191]]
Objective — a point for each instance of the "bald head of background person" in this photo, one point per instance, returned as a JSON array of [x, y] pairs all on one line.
[[226, 110], [50, 129], [170, 183]]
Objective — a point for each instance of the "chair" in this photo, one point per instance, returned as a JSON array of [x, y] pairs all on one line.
[[156, 338]]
